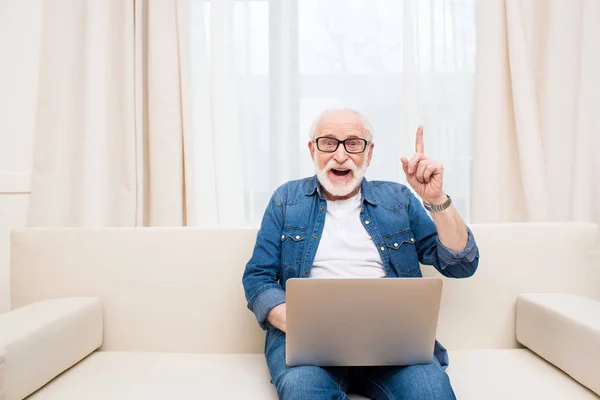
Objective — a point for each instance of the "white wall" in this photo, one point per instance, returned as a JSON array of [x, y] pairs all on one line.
[[19, 52]]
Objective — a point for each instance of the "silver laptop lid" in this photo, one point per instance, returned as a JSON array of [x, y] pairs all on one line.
[[361, 322]]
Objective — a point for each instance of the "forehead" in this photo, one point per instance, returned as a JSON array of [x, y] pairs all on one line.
[[341, 123]]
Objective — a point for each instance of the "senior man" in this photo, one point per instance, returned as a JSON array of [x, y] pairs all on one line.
[[335, 224]]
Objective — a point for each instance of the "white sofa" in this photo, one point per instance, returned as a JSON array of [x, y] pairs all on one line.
[[157, 313]]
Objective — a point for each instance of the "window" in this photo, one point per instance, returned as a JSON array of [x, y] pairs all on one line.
[[402, 63]]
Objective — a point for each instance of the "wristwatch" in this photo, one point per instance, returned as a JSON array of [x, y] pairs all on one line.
[[438, 207]]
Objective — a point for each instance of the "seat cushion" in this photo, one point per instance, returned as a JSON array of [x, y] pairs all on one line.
[[485, 374], [511, 374], [141, 376]]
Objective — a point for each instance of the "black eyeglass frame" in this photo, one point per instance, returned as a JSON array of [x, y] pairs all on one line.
[[316, 141]]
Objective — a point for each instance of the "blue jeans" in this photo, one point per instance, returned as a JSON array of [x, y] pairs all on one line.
[[413, 382]]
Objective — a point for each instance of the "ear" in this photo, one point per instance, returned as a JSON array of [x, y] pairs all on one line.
[[311, 148], [371, 145]]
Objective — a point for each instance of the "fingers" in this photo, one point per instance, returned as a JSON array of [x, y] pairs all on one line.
[[429, 171], [404, 161], [414, 162], [419, 145], [426, 169], [421, 168]]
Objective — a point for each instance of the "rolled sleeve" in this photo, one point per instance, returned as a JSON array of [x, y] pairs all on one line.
[[265, 302], [450, 257]]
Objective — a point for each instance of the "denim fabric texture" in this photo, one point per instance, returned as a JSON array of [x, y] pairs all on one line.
[[286, 244]]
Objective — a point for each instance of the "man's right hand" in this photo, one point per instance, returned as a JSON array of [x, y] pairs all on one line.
[[276, 317]]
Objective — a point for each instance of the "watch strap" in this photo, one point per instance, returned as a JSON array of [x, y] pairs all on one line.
[[438, 207]]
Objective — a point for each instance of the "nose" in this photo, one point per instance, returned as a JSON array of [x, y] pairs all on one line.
[[340, 155]]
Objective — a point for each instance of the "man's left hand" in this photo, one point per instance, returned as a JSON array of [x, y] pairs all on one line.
[[424, 175]]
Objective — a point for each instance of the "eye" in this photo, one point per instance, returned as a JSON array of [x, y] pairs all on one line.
[[328, 143]]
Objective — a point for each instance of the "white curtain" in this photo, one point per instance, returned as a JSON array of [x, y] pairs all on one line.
[[262, 70], [111, 143], [538, 111]]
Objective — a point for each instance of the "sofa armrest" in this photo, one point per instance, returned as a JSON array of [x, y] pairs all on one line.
[[564, 329], [41, 340]]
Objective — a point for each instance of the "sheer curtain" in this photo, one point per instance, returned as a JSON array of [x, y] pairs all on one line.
[[111, 146], [538, 103], [262, 70]]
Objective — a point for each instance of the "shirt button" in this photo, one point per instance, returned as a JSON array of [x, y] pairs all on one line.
[[367, 222], [412, 240], [395, 244], [382, 248], [297, 237], [282, 237], [314, 238], [305, 272], [322, 209]]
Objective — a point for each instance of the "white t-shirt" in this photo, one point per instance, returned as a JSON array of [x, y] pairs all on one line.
[[346, 250]]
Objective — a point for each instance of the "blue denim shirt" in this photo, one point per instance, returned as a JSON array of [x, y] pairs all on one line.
[[401, 229]]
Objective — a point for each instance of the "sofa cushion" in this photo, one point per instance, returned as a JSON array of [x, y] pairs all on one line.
[[565, 330], [511, 374], [41, 340], [178, 289], [485, 374], [147, 376]]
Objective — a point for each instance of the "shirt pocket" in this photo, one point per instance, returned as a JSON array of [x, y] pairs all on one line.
[[403, 253], [292, 245]]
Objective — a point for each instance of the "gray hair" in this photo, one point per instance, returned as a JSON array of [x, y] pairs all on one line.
[[364, 120]]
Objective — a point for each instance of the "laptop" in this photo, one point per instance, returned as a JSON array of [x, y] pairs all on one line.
[[361, 322]]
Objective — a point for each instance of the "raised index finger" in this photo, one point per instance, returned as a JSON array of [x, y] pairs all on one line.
[[419, 146]]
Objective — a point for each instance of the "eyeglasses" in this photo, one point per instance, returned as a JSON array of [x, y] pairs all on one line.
[[331, 144]]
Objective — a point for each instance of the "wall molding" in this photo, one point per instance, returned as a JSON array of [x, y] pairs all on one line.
[[15, 183]]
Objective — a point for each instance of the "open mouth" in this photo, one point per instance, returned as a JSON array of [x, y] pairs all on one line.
[[340, 172]]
